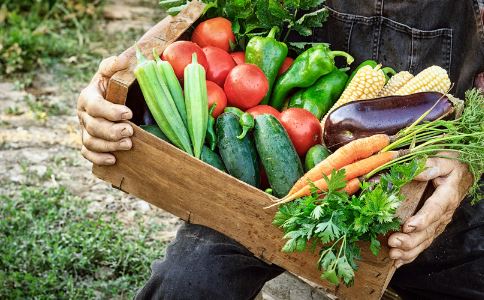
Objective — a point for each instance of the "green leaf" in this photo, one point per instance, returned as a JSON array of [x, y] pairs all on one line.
[[291, 4], [331, 276], [375, 245], [327, 258], [271, 13], [304, 25], [239, 9], [327, 231], [337, 180], [309, 4], [344, 270], [317, 212], [301, 245]]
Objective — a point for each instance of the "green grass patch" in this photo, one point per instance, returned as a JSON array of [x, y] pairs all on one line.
[[52, 248], [36, 33]]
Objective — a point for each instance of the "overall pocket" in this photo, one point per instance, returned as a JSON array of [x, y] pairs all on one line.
[[389, 42]]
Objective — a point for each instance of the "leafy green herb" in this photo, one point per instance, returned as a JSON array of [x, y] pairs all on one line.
[[257, 17], [336, 221]]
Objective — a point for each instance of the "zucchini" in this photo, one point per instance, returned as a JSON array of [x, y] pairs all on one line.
[[212, 158], [277, 153], [239, 156]]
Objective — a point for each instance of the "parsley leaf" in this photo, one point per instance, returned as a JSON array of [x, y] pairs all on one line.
[[336, 222]]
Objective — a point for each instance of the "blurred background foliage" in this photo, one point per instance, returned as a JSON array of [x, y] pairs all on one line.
[[35, 33]]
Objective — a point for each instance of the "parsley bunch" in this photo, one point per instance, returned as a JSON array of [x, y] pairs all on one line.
[[257, 17], [335, 222]]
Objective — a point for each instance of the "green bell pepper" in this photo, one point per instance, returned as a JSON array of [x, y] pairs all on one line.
[[308, 67], [268, 54], [320, 97]]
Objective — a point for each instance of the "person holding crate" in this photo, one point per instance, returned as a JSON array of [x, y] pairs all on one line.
[[440, 251]]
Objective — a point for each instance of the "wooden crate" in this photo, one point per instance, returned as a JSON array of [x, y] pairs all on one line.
[[170, 179]]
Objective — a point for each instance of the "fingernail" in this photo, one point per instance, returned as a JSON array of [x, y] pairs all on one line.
[[433, 172], [396, 243], [125, 144], [127, 131], [409, 228], [110, 161], [126, 115]]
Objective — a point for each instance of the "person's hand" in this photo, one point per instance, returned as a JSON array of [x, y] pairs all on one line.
[[452, 181], [97, 116]]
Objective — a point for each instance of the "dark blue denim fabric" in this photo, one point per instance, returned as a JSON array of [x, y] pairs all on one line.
[[407, 35], [410, 35]]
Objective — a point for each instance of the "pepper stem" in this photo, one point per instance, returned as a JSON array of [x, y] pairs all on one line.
[[349, 58], [388, 70], [272, 33]]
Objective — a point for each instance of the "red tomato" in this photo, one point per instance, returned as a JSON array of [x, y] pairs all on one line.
[[179, 55], [245, 86], [303, 128], [285, 65], [216, 95], [264, 109], [239, 57], [215, 32], [219, 64]]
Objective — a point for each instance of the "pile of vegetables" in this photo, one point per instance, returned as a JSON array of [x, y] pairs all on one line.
[[249, 109]]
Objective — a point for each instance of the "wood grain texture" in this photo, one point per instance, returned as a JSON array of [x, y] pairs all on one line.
[[198, 193]]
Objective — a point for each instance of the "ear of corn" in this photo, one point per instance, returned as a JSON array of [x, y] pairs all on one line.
[[396, 82], [432, 79], [160, 103], [366, 84], [196, 102]]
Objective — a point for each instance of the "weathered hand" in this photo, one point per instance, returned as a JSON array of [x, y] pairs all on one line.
[[97, 116], [452, 181]]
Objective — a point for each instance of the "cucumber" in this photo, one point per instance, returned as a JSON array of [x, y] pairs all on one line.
[[277, 154], [239, 156], [315, 155], [156, 131], [212, 158]]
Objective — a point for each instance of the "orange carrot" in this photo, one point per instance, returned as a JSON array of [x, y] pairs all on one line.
[[352, 186], [348, 154], [352, 171]]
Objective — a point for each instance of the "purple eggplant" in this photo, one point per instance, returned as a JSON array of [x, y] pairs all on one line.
[[387, 115]]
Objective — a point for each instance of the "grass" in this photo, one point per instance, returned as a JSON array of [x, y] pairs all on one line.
[[65, 38], [53, 248], [36, 33]]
